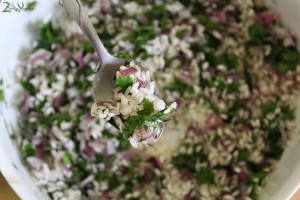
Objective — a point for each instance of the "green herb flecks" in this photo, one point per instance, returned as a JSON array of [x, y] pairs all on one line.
[[123, 55], [1, 95], [141, 120], [181, 87], [205, 176], [212, 105], [28, 151], [140, 36], [287, 112], [256, 171], [274, 149], [87, 47], [124, 82], [268, 107], [231, 61], [247, 76], [184, 162], [28, 87], [243, 155], [283, 59], [158, 12], [181, 33], [257, 33], [48, 37], [113, 182], [223, 85], [67, 159], [207, 23], [148, 108], [211, 40]]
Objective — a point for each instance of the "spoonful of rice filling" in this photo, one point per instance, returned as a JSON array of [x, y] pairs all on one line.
[[125, 93]]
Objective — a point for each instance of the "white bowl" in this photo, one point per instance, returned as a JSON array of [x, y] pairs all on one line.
[[15, 36]]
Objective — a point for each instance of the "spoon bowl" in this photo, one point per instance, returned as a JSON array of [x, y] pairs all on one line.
[[104, 80]]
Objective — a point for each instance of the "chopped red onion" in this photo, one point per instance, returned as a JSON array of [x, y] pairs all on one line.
[[187, 197], [266, 18], [89, 151], [186, 77], [41, 153], [143, 84], [155, 163], [128, 71], [243, 176], [79, 58], [37, 139], [25, 105], [219, 17], [143, 19], [59, 100], [39, 55]]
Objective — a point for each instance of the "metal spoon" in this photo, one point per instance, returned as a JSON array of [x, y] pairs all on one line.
[[104, 81]]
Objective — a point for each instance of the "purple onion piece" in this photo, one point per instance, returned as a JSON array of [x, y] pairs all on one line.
[[59, 100]]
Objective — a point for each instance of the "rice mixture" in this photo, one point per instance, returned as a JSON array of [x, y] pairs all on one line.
[[230, 66], [136, 110]]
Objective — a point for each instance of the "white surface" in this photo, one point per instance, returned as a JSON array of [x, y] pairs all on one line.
[[14, 35]]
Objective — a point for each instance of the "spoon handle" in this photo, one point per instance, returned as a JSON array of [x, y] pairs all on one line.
[[76, 10]]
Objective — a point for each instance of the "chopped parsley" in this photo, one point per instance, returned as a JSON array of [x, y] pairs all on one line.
[[67, 159], [28, 151], [212, 105], [143, 117], [148, 107], [256, 170], [123, 55], [1, 95], [28, 87], [231, 61], [257, 33], [283, 59], [140, 36], [247, 76], [287, 112], [158, 12], [48, 36], [181, 87], [124, 82], [212, 41], [209, 24], [113, 182], [101, 175], [268, 107], [87, 47], [184, 162], [274, 149], [205, 176], [243, 155], [223, 85], [181, 33]]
